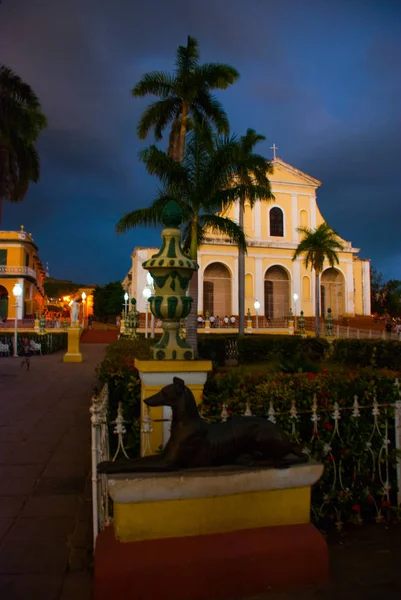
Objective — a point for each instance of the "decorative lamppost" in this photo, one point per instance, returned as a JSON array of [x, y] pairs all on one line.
[[256, 305], [126, 297], [17, 291], [83, 296]]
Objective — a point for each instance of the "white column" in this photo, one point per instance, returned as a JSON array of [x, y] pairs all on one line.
[[294, 217], [21, 300], [312, 204], [141, 281], [367, 309], [234, 289], [259, 285], [350, 305], [257, 220], [236, 211], [200, 286]]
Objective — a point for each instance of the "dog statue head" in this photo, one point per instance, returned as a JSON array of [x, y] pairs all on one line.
[[176, 395]]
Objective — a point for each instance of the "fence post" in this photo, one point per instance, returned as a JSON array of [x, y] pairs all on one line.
[[383, 334], [370, 334], [357, 334], [398, 439], [347, 331]]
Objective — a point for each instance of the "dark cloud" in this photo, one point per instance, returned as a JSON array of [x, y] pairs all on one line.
[[321, 79]]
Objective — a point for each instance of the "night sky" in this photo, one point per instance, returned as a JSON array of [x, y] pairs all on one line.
[[319, 78]]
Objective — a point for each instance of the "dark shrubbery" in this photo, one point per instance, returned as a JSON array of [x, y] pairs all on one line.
[[259, 348], [368, 353]]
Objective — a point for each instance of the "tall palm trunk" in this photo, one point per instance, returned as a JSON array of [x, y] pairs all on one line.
[[317, 303], [241, 277], [183, 131], [192, 318]]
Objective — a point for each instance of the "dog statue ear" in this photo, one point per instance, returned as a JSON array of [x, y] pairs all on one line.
[[180, 383]]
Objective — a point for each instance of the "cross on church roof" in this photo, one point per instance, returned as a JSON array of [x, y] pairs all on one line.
[[274, 148]]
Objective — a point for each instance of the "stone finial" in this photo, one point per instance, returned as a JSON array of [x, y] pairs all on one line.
[[171, 215]]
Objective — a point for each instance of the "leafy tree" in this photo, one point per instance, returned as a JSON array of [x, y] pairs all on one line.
[[250, 172], [185, 97], [385, 295], [201, 185], [21, 121], [318, 245], [108, 300], [60, 287]]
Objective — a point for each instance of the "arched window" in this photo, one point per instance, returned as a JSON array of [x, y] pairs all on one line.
[[276, 222]]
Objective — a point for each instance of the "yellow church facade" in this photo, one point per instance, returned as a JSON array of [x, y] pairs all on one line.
[[272, 278]]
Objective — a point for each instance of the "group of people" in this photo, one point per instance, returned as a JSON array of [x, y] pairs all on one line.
[[217, 322]]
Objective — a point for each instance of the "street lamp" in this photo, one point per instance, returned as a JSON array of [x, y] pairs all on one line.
[[256, 305], [149, 280], [146, 294], [295, 296], [17, 291], [126, 303], [83, 296]]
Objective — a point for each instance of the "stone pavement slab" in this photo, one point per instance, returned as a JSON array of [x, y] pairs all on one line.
[[45, 507]]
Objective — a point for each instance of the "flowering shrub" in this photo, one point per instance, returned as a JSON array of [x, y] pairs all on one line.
[[340, 420], [118, 371]]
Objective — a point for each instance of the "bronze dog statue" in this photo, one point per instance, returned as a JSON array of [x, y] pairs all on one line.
[[195, 443]]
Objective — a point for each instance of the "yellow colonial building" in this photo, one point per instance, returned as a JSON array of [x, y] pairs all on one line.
[[20, 263], [272, 277]]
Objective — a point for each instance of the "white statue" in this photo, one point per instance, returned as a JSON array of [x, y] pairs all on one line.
[[74, 312]]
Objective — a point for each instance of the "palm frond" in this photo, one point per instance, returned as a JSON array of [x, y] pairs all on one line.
[[157, 83], [157, 116], [212, 110], [216, 76], [225, 226], [144, 217], [187, 57]]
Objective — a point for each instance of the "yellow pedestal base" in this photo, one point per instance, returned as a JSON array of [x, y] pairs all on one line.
[[73, 353], [200, 516], [155, 375]]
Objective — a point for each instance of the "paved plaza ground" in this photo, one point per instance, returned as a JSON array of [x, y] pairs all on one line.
[[45, 506]]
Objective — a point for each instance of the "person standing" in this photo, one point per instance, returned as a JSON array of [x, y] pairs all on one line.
[[26, 353]]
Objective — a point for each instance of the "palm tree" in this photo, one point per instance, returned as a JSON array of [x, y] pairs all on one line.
[[318, 245], [185, 98], [201, 185], [251, 182], [21, 121]]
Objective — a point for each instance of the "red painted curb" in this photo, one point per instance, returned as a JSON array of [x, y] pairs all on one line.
[[228, 565]]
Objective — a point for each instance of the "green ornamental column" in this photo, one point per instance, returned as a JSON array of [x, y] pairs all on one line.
[[172, 271]]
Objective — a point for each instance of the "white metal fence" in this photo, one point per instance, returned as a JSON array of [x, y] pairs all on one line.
[[382, 421]]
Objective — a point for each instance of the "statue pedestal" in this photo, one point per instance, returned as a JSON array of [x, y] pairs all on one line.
[[249, 326], [154, 375], [223, 532], [36, 325], [73, 353], [291, 329]]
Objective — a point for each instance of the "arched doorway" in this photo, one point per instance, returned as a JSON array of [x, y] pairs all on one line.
[[3, 302], [277, 293], [332, 292], [217, 290]]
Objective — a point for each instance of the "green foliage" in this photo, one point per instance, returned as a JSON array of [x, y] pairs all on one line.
[[364, 353], [108, 300], [386, 295], [51, 342], [60, 287], [21, 121], [185, 97], [119, 372], [259, 348], [318, 245], [359, 494]]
